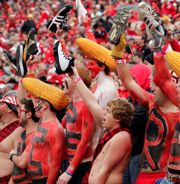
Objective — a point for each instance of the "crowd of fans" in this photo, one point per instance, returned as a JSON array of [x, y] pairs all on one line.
[[94, 90], [15, 13]]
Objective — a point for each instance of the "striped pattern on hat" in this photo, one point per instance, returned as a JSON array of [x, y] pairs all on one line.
[[9, 100], [95, 51]]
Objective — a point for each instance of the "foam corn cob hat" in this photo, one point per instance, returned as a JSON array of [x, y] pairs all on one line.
[[173, 59], [95, 51], [52, 94]]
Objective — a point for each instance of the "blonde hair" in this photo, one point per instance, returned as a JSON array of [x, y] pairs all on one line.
[[122, 110]]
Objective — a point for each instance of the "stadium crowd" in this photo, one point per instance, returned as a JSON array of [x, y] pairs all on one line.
[[90, 92]]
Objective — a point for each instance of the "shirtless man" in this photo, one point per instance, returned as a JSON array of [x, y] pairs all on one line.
[[163, 109], [18, 139], [28, 121], [79, 126], [173, 168], [110, 162], [9, 131], [46, 152]]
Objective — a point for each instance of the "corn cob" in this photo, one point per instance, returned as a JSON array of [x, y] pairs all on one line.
[[52, 94], [95, 51], [173, 59]]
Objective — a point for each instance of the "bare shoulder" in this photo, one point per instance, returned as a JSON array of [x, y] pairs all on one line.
[[17, 132], [123, 137], [57, 129]]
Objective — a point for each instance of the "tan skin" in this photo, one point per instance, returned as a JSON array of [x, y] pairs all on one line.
[[7, 117], [106, 168], [53, 143], [9, 144], [162, 101]]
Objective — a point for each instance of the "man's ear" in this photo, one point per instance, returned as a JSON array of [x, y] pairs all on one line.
[[46, 105], [29, 114]]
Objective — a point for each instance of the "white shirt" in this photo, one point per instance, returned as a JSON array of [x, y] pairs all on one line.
[[106, 89]]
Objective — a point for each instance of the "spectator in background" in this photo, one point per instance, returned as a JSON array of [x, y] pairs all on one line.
[[9, 121], [100, 33], [79, 127], [141, 74]]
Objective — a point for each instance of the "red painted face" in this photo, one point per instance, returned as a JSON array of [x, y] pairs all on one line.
[[94, 68], [3, 109]]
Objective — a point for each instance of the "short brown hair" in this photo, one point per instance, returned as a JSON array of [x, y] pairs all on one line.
[[28, 104], [122, 110], [85, 75]]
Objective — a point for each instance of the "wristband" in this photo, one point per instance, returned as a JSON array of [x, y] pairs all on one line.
[[69, 172], [11, 156], [77, 80]]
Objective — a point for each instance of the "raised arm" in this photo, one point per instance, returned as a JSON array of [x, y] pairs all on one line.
[[175, 45], [88, 30], [88, 98], [87, 128], [82, 150], [21, 92], [135, 90], [129, 83], [173, 42], [163, 79]]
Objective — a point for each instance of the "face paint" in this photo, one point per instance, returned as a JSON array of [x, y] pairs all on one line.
[[66, 84], [3, 109], [38, 106], [94, 68]]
